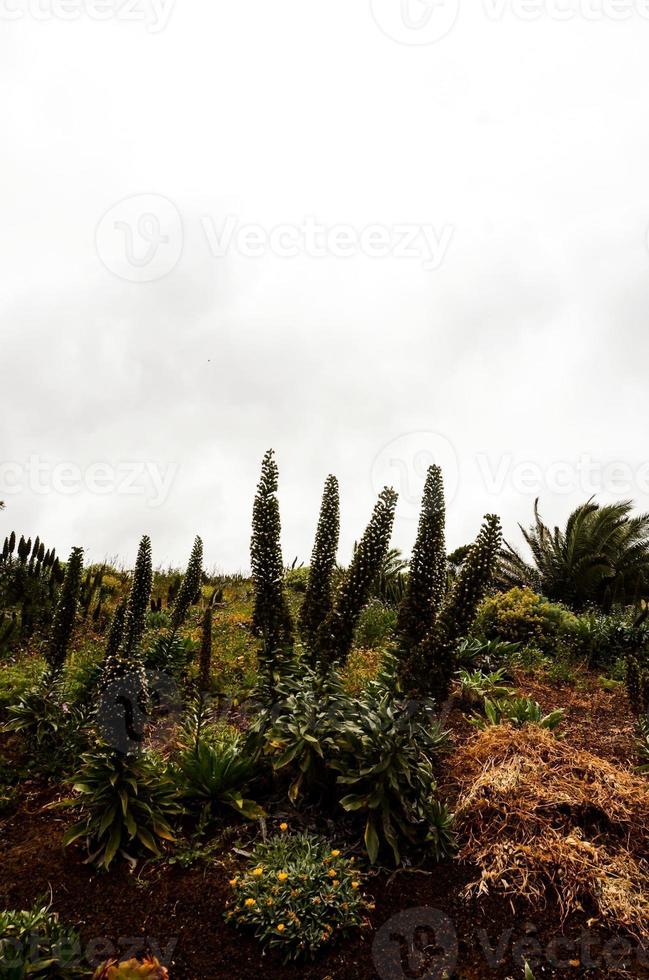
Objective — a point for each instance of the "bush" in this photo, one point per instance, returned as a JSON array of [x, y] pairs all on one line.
[[523, 616], [127, 802], [33, 943], [376, 625], [55, 729], [385, 753], [215, 772], [373, 751], [601, 640], [297, 894], [475, 686], [517, 712], [297, 579]]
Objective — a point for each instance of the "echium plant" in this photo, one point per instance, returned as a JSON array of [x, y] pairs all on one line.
[[427, 571], [428, 667], [318, 598], [122, 654], [190, 588], [271, 616], [66, 611], [336, 634]]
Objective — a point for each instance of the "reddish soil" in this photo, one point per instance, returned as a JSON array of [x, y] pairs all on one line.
[[178, 913]]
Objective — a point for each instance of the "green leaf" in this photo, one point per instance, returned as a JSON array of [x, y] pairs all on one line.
[[371, 841]]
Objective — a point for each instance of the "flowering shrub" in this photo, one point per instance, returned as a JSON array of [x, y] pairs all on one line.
[[297, 893], [523, 616]]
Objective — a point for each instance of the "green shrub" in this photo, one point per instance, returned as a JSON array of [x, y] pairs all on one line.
[[127, 804], [302, 735], [376, 625], [475, 686], [484, 654], [55, 728], [297, 893], [33, 943], [215, 772], [297, 579], [601, 640], [372, 752], [385, 753], [517, 711], [523, 616]]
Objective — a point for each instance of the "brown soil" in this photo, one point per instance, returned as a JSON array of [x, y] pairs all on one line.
[[178, 913]]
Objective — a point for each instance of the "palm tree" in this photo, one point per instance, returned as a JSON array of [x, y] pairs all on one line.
[[600, 559]]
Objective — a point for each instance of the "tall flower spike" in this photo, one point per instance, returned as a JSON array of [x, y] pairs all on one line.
[[427, 571], [336, 634], [191, 587], [66, 611], [271, 616], [318, 598]]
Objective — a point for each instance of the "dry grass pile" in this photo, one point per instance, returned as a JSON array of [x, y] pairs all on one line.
[[536, 814]]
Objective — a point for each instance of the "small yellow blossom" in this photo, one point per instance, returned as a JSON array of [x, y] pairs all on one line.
[[283, 826], [258, 872], [234, 881], [335, 882], [331, 872], [250, 902], [335, 854], [282, 876], [281, 927], [355, 884]]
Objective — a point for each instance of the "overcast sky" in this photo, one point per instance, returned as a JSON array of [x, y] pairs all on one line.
[[367, 234]]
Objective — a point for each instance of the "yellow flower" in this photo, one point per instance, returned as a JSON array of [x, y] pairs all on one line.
[[258, 872], [250, 902], [331, 872], [335, 854], [283, 826], [355, 884], [282, 876], [234, 881], [281, 927], [336, 883]]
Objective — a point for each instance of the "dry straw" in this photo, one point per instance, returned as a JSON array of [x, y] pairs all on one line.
[[537, 815]]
